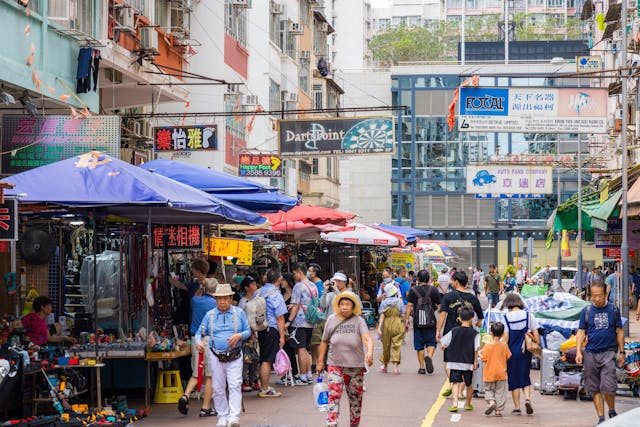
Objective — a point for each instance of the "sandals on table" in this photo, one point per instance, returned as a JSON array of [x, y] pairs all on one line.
[[207, 412]]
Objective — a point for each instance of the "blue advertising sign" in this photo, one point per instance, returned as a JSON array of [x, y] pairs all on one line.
[[483, 101], [509, 196]]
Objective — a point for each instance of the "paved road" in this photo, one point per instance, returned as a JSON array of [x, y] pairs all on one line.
[[403, 400]]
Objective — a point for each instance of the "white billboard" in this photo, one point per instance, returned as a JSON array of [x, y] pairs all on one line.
[[509, 179]]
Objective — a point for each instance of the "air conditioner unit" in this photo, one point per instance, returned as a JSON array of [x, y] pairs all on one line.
[[323, 26], [249, 100], [241, 3], [305, 54], [126, 20], [296, 28], [149, 39], [277, 8], [617, 35], [290, 97]]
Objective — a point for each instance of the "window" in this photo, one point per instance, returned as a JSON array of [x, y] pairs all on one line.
[[330, 167], [474, 4], [291, 41], [304, 11], [555, 3], [74, 14], [383, 23], [414, 21], [274, 28], [314, 166], [303, 75], [235, 22], [162, 13], [319, 41], [454, 4], [275, 103], [536, 2], [317, 97], [399, 21]]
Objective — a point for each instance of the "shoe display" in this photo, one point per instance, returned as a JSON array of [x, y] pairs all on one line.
[[269, 393]]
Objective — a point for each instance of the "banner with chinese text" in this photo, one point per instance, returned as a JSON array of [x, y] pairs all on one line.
[[509, 179], [540, 110], [178, 236], [31, 142], [260, 165], [241, 250], [9, 220], [185, 138]]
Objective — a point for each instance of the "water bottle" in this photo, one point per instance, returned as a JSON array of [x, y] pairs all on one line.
[[320, 395]]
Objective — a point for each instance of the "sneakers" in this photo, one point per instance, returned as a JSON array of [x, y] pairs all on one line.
[[256, 387], [421, 371], [234, 423], [428, 364], [246, 387], [297, 380], [222, 422], [269, 393], [446, 393], [281, 381]]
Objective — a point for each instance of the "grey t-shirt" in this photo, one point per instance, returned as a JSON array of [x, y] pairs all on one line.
[[345, 346]]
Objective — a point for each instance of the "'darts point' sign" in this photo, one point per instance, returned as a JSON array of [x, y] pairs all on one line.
[[329, 137]]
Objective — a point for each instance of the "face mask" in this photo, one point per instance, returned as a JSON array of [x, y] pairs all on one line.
[[387, 280], [238, 279], [308, 275]]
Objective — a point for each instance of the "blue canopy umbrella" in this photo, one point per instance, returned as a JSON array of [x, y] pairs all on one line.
[[410, 234], [98, 180], [240, 191]]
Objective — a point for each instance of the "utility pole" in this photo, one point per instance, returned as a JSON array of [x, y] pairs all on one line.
[[579, 278], [559, 271], [624, 247], [506, 31]]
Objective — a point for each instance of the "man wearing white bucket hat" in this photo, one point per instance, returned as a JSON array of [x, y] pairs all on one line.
[[227, 327]]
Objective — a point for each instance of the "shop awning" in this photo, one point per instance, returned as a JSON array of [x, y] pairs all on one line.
[[410, 234], [363, 235], [98, 180], [240, 191], [310, 214], [594, 213]]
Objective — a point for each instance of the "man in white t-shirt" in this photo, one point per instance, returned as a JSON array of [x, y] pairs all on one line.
[[444, 281], [521, 275]]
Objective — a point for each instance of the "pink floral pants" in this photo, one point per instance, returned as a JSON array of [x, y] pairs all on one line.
[[352, 379]]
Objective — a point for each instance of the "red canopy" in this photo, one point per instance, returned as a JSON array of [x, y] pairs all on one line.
[[310, 214]]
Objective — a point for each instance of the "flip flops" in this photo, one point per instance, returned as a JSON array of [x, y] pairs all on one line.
[[528, 407], [490, 409], [453, 408], [207, 412]]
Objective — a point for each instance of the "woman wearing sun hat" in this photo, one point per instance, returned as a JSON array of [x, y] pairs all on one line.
[[391, 328], [345, 334]]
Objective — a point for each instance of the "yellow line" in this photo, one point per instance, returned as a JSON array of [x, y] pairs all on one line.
[[431, 415]]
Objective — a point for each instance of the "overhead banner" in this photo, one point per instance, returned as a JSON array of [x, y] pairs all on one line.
[[232, 249], [185, 138], [509, 179], [539, 110], [260, 165], [330, 137], [30, 142]]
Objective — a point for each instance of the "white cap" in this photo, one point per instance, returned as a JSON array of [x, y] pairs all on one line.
[[339, 276]]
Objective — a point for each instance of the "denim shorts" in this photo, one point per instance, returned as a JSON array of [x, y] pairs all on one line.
[[424, 337]]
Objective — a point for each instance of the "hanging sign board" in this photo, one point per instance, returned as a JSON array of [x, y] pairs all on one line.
[[586, 64], [336, 137], [539, 110], [9, 220], [30, 142], [260, 166], [509, 179], [241, 250], [185, 138], [178, 236], [399, 259]]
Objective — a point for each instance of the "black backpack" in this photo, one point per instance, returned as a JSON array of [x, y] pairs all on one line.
[[424, 316]]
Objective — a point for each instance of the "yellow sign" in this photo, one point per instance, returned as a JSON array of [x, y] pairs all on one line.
[[240, 249], [399, 259]]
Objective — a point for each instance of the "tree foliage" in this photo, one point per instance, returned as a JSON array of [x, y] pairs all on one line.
[[439, 41]]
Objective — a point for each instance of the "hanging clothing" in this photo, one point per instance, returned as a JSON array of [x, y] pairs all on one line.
[[95, 67], [84, 67]]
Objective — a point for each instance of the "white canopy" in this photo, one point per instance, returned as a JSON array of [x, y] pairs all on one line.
[[362, 235]]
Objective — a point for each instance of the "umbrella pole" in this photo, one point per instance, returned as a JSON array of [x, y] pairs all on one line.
[[95, 281], [149, 267]]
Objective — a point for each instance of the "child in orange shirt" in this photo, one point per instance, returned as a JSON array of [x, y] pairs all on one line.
[[495, 355]]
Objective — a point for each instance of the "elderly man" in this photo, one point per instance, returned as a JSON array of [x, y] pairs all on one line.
[[226, 326], [200, 306], [602, 325]]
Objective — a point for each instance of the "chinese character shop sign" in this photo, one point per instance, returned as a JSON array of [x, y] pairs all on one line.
[[566, 110], [260, 165], [238, 249], [186, 138], [498, 179], [177, 236], [9, 220], [37, 141]]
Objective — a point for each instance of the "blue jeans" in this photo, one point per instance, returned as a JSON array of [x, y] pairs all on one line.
[[493, 299]]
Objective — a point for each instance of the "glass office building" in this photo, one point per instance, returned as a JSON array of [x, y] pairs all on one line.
[[428, 169]]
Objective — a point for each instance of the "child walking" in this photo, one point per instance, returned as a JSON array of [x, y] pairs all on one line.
[[495, 355], [463, 343]]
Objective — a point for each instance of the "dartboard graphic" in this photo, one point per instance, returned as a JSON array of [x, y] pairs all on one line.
[[369, 135]]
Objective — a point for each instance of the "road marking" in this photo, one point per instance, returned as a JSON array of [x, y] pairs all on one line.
[[431, 415]]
